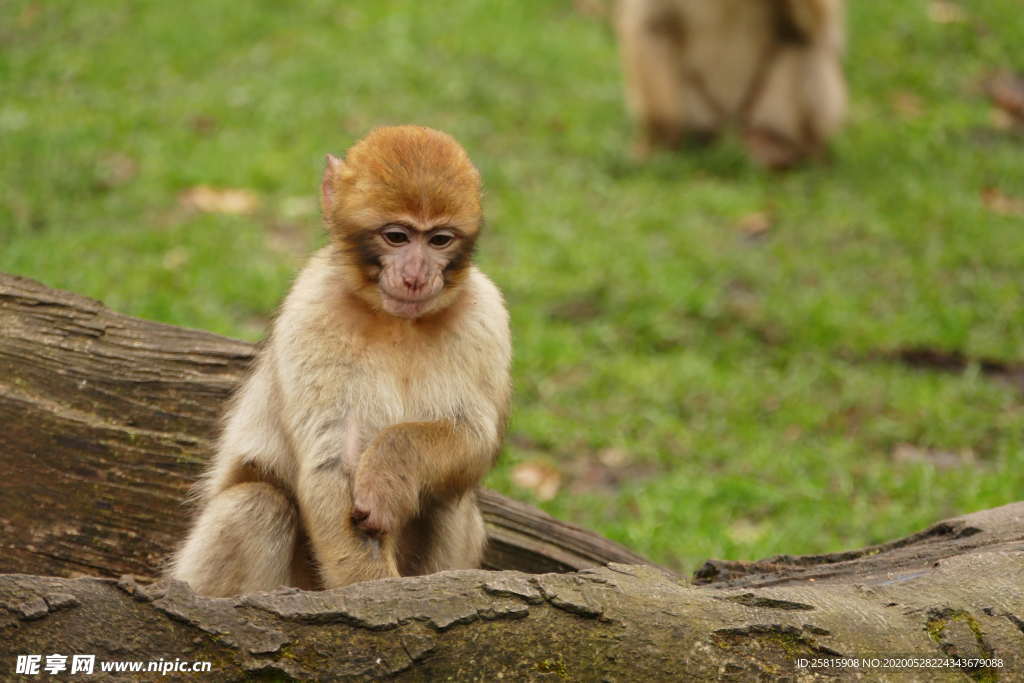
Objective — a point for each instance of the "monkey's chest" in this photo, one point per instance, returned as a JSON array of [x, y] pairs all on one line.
[[381, 397]]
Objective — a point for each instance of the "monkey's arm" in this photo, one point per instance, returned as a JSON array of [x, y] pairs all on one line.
[[342, 555], [411, 463]]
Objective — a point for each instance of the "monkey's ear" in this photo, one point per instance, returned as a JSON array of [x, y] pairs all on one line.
[[334, 165]]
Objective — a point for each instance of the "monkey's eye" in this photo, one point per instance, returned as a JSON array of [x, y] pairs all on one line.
[[395, 237], [441, 240]]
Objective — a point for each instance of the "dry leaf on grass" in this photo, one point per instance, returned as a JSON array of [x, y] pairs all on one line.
[[539, 477], [606, 471], [906, 452], [1003, 204], [596, 9], [755, 224], [1006, 90], [1002, 121], [614, 457], [203, 125], [29, 14], [943, 12], [906, 104], [233, 201]]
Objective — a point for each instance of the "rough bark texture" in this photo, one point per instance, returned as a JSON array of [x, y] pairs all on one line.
[[962, 596], [105, 419]]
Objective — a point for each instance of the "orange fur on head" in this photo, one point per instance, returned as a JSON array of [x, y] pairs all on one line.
[[407, 173]]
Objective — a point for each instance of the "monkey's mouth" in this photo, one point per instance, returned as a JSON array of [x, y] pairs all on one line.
[[405, 295], [404, 306], [414, 299]]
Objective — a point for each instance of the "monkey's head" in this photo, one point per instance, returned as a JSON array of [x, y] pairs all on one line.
[[403, 209]]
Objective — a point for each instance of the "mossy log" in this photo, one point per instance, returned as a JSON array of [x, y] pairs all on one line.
[[105, 421]]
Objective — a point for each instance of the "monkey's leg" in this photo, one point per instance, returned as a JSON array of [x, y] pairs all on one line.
[[343, 554], [801, 104], [449, 535], [651, 44], [243, 541], [823, 90], [460, 545]]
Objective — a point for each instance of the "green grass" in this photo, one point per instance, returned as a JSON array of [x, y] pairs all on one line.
[[735, 385]]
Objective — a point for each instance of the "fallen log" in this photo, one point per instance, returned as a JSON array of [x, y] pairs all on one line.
[[955, 618], [105, 421]]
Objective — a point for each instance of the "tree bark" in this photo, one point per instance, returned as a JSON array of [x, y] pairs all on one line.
[[956, 612], [105, 421]]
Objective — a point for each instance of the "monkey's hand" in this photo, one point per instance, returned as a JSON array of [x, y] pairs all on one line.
[[384, 499], [411, 463]]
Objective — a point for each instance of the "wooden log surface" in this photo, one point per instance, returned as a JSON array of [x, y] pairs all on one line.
[[955, 614]]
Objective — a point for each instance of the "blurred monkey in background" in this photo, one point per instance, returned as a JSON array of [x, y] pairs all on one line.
[[772, 68]]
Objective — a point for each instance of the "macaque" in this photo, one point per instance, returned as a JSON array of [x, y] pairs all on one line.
[[771, 68], [354, 449]]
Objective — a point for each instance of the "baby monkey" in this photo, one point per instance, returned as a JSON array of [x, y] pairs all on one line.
[[354, 449], [772, 68]]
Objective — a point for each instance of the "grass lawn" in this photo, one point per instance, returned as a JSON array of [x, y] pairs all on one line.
[[694, 389]]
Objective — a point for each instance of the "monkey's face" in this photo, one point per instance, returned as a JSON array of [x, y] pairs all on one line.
[[415, 266], [404, 209]]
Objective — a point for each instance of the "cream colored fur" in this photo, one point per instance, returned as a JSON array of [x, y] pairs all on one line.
[[324, 391]]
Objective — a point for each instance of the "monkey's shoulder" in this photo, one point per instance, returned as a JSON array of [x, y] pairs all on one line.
[[486, 303]]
